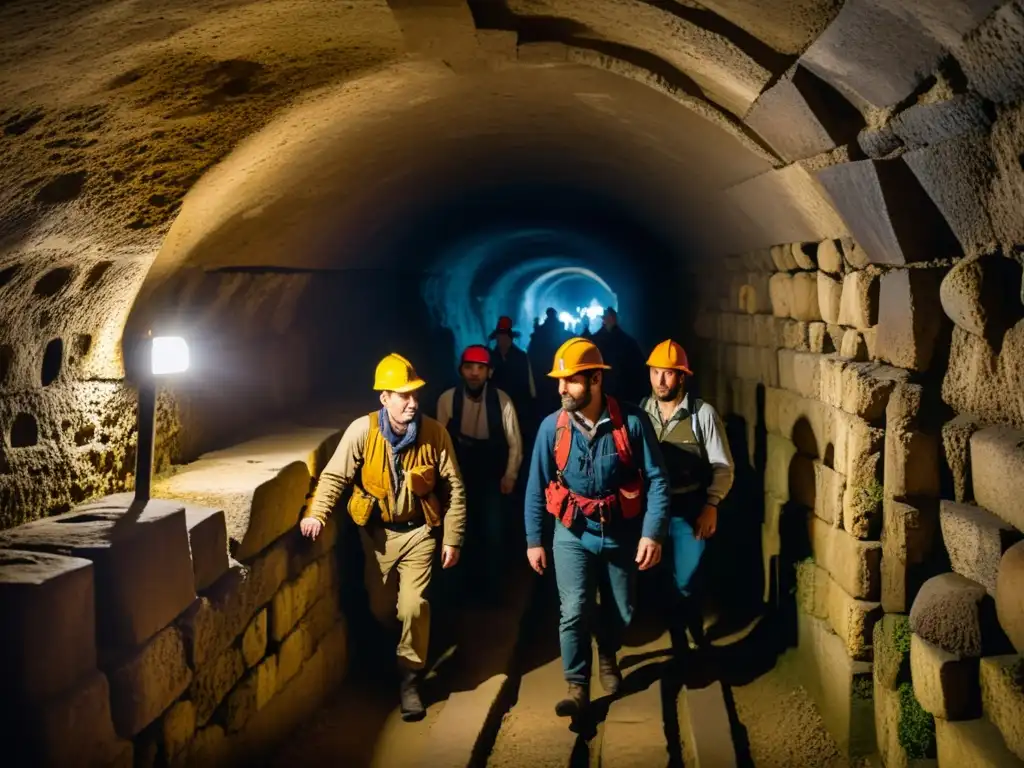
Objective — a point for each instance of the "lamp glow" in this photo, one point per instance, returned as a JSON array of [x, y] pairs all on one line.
[[170, 355]]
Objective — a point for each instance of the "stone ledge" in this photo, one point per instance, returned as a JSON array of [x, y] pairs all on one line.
[[973, 744], [261, 485], [705, 728]]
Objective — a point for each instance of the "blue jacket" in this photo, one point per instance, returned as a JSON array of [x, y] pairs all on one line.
[[592, 470]]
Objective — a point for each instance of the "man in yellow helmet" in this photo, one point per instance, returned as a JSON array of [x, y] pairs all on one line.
[[700, 473], [399, 465], [597, 468]]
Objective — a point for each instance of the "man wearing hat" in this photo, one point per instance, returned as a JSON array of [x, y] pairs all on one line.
[[399, 465], [700, 471], [482, 422], [597, 469], [512, 372]]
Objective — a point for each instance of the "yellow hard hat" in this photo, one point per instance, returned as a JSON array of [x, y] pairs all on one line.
[[669, 354], [575, 356], [396, 374]]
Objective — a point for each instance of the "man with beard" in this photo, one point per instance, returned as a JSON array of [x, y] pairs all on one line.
[[700, 473], [399, 465], [597, 468], [482, 422]]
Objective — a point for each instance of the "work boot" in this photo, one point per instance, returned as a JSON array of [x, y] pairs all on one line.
[[409, 692], [576, 701], [608, 671]]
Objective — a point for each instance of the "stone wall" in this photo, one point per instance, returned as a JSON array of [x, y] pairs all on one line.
[[195, 631]]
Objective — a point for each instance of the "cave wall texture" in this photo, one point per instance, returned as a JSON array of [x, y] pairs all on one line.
[[843, 184]]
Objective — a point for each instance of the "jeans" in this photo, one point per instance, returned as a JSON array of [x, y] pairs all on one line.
[[586, 560], [684, 553]]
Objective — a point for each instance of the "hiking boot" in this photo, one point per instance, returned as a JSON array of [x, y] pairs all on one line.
[[409, 692], [608, 671], [575, 702]]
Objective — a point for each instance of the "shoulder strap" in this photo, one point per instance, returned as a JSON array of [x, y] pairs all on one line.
[[495, 417], [456, 422], [619, 433], [695, 424], [563, 440]]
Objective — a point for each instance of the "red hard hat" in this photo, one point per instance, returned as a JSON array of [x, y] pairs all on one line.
[[504, 323], [476, 353]]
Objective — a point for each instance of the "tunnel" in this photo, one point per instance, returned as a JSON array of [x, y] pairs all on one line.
[[822, 201]]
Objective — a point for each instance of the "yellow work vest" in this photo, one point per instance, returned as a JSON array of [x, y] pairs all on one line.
[[419, 464]]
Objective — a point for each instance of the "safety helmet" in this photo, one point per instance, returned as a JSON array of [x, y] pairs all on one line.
[[396, 374], [669, 354], [504, 326], [476, 353], [575, 356]]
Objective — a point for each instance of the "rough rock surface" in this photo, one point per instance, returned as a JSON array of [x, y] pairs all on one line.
[[1010, 596], [981, 295], [976, 540], [956, 615]]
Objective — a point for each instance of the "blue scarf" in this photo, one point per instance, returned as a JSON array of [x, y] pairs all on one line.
[[398, 442]]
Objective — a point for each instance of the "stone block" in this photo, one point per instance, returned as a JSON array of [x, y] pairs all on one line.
[[904, 407], [764, 330], [220, 616], [852, 620], [945, 684], [978, 378], [782, 258], [956, 174], [208, 542], [214, 681], [862, 506], [839, 686], [1010, 595], [909, 536], [47, 609], [254, 641], [261, 485], [794, 335], [870, 337], [973, 744], [804, 304], [891, 645], [178, 728], [911, 464], [854, 564], [74, 728], [882, 51], [253, 694], [294, 651], [837, 334], [855, 347], [818, 340], [805, 255], [148, 682], [936, 122], [956, 443], [859, 302], [981, 295], [990, 57], [890, 216], [1002, 695], [758, 296], [957, 615], [801, 116], [542, 53], [800, 372], [868, 387], [780, 287], [858, 449], [131, 550], [1006, 197], [830, 259], [975, 540], [829, 486], [321, 618], [292, 601], [830, 295], [745, 330], [909, 317], [997, 466]]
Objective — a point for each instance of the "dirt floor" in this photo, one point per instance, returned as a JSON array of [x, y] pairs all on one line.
[[783, 726]]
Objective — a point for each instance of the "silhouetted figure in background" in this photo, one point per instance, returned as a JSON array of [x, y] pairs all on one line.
[[627, 379], [513, 373], [547, 337]]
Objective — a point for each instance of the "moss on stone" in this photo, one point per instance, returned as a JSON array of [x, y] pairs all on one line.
[[863, 688], [916, 728], [872, 495], [901, 637]]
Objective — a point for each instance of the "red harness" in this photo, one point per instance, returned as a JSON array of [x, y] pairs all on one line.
[[563, 503]]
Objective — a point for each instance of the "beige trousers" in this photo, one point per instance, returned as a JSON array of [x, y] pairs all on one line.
[[398, 569]]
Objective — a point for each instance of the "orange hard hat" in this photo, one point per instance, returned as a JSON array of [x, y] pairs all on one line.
[[396, 374], [671, 355], [575, 356]]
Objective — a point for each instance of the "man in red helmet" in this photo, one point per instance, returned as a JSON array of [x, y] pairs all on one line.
[[484, 427], [512, 372]]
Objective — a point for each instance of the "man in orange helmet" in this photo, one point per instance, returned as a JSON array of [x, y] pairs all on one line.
[[597, 468], [399, 465], [700, 473]]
